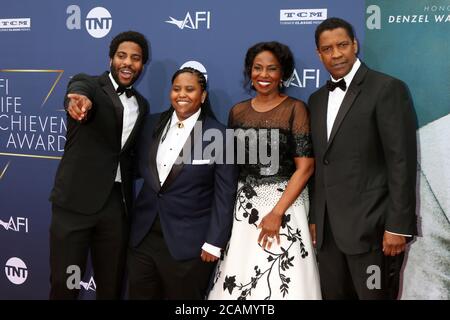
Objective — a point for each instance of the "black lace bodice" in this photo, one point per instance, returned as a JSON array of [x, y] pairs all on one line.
[[291, 119]]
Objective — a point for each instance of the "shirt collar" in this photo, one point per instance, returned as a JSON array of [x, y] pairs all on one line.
[[114, 83], [189, 122], [349, 77]]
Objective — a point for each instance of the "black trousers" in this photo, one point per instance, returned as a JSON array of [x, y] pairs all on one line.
[[366, 276], [154, 274], [104, 234]]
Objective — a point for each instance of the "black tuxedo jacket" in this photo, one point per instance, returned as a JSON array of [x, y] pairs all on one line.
[[365, 175], [195, 203], [87, 171]]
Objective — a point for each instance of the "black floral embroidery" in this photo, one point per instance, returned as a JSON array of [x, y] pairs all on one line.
[[229, 284], [244, 195], [278, 262]]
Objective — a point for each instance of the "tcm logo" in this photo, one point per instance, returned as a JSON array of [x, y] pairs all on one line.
[[302, 16], [194, 21], [196, 65], [17, 224], [18, 24], [98, 21], [308, 77], [74, 280], [16, 270]]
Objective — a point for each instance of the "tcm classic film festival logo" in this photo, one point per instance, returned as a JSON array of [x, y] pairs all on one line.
[[302, 16], [16, 24], [192, 20], [98, 21]]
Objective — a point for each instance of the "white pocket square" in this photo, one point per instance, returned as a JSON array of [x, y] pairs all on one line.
[[203, 161]]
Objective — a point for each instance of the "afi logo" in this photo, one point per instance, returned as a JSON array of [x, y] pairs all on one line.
[[89, 286], [200, 18], [16, 270], [302, 80], [18, 224], [196, 65], [98, 20]]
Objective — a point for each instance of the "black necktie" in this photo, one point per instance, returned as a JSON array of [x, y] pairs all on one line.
[[129, 92], [331, 85]]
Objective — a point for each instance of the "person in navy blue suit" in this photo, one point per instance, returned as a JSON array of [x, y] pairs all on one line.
[[183, 214]]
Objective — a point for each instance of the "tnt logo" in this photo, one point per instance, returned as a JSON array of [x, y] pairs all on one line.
[[194, 21], [98, 20], [17, 224], [16, 270], [196, 65]]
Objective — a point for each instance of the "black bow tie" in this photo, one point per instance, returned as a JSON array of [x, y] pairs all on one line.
[[129, 92], [331, 85]]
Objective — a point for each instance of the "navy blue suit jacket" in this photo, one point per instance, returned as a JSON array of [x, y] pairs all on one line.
[[195, 204]]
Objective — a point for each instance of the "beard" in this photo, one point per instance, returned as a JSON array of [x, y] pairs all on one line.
[[115, 74]]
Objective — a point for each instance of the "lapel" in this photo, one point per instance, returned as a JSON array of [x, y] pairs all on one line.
[[194, 137], [347, 103], [152, 160], [142, 111], [108, 88], [322, 104]]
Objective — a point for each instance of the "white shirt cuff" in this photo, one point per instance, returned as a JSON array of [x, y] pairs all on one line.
[[215, 251], [399, 234]]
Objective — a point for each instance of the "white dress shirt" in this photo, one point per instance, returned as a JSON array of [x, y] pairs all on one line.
[[336, 96], [130, 114], [170, 148]]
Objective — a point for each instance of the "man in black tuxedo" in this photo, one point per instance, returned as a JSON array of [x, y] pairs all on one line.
[[363, 196], [92, 193]]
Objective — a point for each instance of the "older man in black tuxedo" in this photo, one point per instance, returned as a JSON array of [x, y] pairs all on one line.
[[363, 196]]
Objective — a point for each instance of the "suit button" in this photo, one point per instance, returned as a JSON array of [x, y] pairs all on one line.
[[159, 195], [326, 162]]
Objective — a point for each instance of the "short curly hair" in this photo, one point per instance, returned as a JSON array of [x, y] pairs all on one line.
[[281, 51], [132, 36], [331, 24]]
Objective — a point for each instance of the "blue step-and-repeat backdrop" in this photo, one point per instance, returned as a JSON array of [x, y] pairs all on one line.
[[44, 43]]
